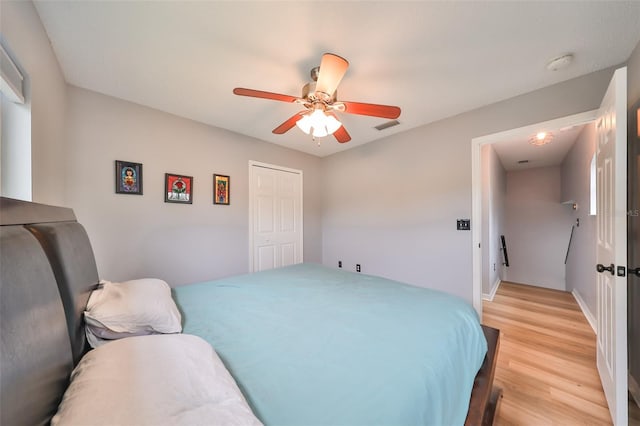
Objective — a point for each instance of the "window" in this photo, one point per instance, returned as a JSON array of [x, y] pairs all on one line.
[[15, 128]]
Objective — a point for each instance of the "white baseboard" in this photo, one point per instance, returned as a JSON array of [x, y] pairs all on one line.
[[585, 310], [489, 297]]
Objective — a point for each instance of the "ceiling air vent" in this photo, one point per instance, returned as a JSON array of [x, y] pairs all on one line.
[[387, 124], [523, 161]]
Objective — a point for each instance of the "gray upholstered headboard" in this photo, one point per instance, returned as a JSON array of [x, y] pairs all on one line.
[[47, 271], [70, 255]]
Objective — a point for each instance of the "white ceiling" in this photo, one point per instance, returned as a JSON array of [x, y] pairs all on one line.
[[433, 59], [552, 154]]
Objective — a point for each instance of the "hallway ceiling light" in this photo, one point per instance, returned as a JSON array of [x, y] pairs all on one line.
[[541, 138]]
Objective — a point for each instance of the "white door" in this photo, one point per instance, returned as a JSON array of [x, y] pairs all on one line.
[[611, 172], [275, 214]]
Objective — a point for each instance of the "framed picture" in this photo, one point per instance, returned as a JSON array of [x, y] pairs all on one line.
[[178, 188], [221, 191], [128, 178]]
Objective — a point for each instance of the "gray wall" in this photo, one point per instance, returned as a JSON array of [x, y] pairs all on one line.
[[538, 227], [494, 189], [24, 35], [137, 236], [576, 186], [392, 205], [76, 137]]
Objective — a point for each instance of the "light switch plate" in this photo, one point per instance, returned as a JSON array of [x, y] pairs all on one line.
[[464, 224]]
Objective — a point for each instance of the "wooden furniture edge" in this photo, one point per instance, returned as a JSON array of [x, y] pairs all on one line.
[[18, 212], [485, 399]]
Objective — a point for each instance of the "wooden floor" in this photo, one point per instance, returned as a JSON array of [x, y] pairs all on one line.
[[547, 359], [634, 413]]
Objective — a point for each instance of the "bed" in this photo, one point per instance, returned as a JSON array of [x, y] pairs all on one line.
[[48, 272], [318, 346]]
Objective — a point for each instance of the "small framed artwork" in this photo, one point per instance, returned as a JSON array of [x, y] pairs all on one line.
[[128, 178], [178, 188], [221, 190]]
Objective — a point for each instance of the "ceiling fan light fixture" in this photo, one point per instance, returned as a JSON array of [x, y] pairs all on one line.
[[319, 99], [332, 69], [318, 124]]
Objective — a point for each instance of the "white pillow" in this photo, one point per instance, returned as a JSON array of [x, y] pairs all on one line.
[[153, 380], [130, 308]]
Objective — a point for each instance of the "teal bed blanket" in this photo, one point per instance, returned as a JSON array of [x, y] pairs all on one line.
[[314, 346]]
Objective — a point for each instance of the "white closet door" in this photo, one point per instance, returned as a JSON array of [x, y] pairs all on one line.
[[275, 213]]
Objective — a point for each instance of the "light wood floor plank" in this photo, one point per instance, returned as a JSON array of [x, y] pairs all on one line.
[[547, 359]]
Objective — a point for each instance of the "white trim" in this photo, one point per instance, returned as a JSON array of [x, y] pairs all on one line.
[[253, 164], [274, 167], [476, 186], [571, 120], [593, 205], [476, 218], [489, 297], [585, 310]]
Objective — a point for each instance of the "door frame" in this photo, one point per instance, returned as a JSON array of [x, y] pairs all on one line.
[[476, 185], [253, 164], [633, 254]]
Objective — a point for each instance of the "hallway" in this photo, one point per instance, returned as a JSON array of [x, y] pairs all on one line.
[[547, 359]]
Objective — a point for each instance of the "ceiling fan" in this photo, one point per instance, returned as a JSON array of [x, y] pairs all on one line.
[[320, 103]]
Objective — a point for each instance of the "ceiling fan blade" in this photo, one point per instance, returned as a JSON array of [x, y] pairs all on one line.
[[342, 135], [288, 125], [265, 95], [332, 69], [374, 110]]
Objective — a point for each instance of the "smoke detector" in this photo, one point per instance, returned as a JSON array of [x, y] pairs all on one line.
[[560, 62]]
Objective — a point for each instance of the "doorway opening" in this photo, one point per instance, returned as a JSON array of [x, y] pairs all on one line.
[[488, 260], [611, 240]]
